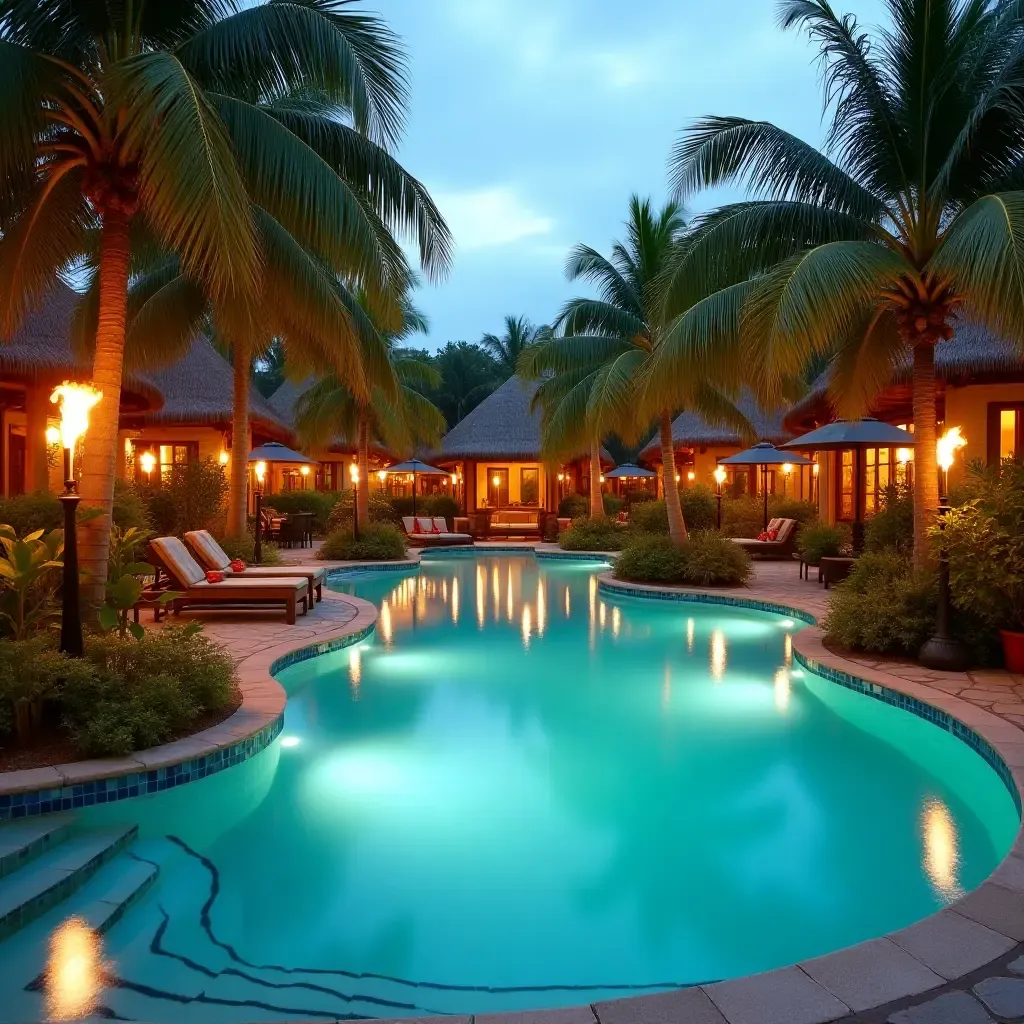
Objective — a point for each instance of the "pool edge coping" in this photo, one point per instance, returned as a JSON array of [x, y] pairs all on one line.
[[250, 729], [815, 988]]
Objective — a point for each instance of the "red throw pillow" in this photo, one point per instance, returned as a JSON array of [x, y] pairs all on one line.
[[433, 528], [763, 535], [214, 576], [773, 534], [237, 565]]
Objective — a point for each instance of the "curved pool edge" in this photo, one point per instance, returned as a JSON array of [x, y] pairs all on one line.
[[255, 724], [977, 930]]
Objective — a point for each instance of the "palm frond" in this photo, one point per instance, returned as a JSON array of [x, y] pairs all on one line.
[[587, 264], [166, 313], [864, 362], [595, 316]]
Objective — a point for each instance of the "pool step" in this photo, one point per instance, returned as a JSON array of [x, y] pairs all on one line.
[[52, 876], [23, 841]]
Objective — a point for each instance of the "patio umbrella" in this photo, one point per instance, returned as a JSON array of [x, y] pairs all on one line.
[[844, 435], [272, 451], [764, 454], [415, 467], [628, 471]]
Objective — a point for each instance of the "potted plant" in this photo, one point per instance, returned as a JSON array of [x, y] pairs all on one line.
[[984, 542]]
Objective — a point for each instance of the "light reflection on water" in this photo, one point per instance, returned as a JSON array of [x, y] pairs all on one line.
[[74, 971]]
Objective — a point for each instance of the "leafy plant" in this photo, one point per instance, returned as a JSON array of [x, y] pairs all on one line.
[[984, 540], [698, 505], [377, 542], [28, 574], [651, 558], [573, 506], [638, 497], [244, 548], [705, 560], [819, 541], [124, 586], [891, 528], [381, 511], [320, 504], [586, 534], [433, 505]]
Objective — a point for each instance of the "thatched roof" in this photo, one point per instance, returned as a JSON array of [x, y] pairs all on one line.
[[41, 352], [973, 353], [690, 430], [198, 389], [502, 426], [283, 400]]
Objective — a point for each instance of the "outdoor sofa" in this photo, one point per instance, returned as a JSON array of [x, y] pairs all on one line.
[[782, 547], [169, 556], [424, 531], [515, 522], [210, 555]]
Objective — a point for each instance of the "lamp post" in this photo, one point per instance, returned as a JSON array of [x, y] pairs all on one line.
[[147, 460], [353, 472], [75, 402], [260, 471], [720, 475], [943, 651]]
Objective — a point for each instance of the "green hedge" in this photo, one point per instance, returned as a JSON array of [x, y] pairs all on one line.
[[699, 511], [593, 535], [270, 554], [320, 503], [820, 541], [381, 511], [442, 505], [378, 542], [705, 560], [43, 511]]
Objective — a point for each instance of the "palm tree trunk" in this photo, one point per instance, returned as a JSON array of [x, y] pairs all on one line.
[[363, 490], [676, 522], [596, 501], [926, 470], [99, 463], [238, 489]]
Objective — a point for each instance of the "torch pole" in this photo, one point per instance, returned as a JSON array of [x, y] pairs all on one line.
[[71, 606]]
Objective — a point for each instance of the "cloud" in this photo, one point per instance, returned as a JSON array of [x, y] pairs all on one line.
[[493, 216]]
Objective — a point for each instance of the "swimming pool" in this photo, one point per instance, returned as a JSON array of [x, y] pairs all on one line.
[[522, 793]]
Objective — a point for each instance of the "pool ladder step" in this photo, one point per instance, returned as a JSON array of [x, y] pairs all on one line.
[[46, 865]]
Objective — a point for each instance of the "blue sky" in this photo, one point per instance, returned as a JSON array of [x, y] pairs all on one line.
[[532, 121]]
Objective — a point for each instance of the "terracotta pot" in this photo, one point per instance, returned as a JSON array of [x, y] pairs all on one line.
[[1013, 650]]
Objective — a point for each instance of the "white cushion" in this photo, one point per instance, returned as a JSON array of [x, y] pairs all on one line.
[[440, 524]]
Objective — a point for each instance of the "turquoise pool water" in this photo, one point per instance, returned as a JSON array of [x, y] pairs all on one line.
[[521, 793]]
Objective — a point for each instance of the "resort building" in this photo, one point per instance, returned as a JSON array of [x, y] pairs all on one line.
[[494, 456], [699, 445], [979, 388]]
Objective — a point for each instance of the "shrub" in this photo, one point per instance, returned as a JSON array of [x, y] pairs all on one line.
[[639, 497], [320, 503], [649, 517], [884, 606], [593, 535], [891, 528], [192, 498], [820, 541], [30, 571], [130, 510], [705, 560], [744, 516], [699, 512], [984, 540], [442, 505], [381, 511], [574, 506], [243, 549], [26, 513], [804, 512], [613, 504], [378, 542]]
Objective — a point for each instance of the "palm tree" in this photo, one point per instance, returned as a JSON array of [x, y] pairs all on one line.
[[519, 335], [395, 411], [600, 362], [468, 376], [911, 215], [170, 124]]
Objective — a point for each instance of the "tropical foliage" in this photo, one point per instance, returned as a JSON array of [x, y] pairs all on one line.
[[705, 560], [507, 349], [239, 149], [28, 579], [595, 373], [868, 250]]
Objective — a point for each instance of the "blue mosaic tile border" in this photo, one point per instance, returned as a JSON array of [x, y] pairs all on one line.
[[340, 572], [324, 647], [935, 715], [693, 597], [470, 550], [576, 556], [123, 787]]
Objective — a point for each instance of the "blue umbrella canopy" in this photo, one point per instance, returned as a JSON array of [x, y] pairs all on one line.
[[274, 452], [627, 471], [764, 454], [415, 466], [843, 434]]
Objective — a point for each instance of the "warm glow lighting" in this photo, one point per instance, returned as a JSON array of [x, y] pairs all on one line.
[[509, 600], [74, 971], [260, 469], [719, 657], [678, 478], [782, 690], [602, 478], [561, 477], [816, 469], [481, 596], [941, 849], [542, 608], [75, 401], [567, 604], [355, 670], [720, 476], [787, 468], [304, 470], [382, 475], [353, 472], [948, 445], [691, 475], [386, 625], [690, 629], [527, 626], [147, 460], [496, 480], [455, 601], [52, 435], [223, 458], [904, 455], [616, 622], [455, 479], [290, 741]]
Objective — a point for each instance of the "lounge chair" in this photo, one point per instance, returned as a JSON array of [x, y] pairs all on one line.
[[170, 556], [210, 555], [783, 545], [423, 531]]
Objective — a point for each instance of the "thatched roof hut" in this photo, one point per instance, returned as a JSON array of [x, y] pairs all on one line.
[[974, 355], [691, 430], [41, 353], [503, 426], [198, 390]]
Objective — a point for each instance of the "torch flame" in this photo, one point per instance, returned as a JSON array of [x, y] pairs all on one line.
[[948, 445], [75, 402]]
